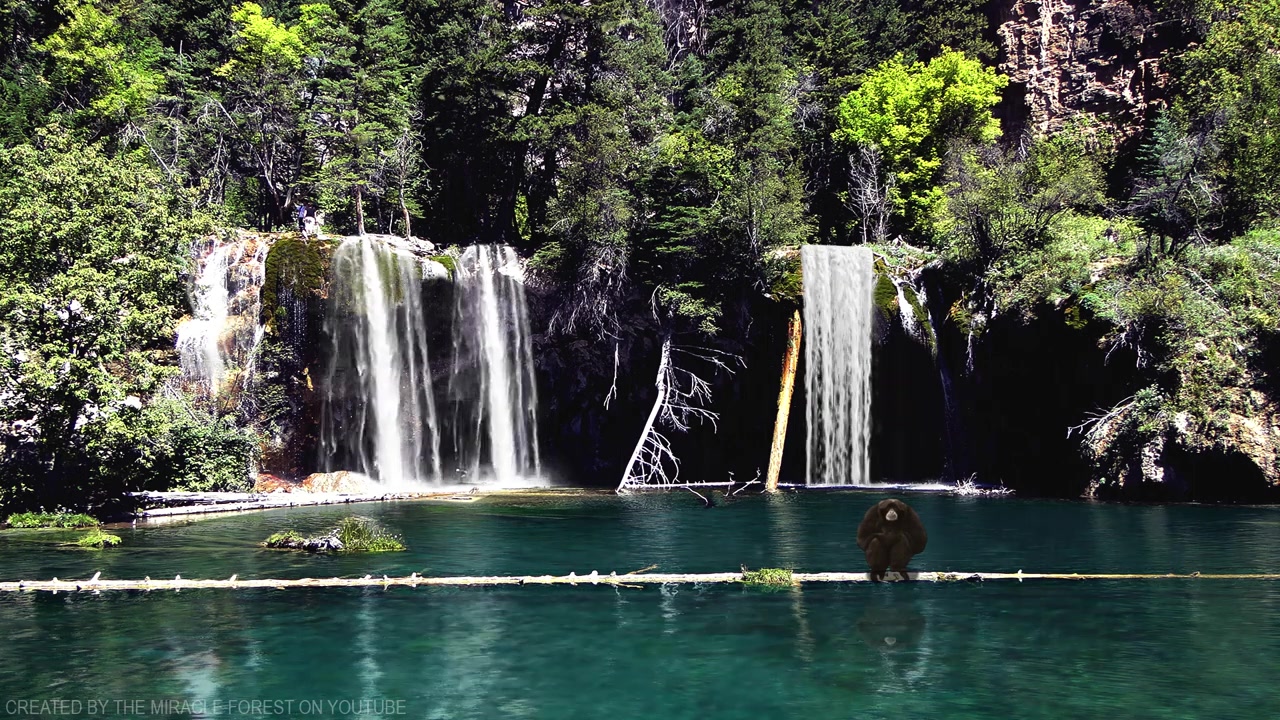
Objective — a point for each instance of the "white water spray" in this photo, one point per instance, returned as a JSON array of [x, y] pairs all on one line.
[[839, 285]]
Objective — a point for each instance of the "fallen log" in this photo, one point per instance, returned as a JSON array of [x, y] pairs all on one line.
[[635, 579], [243, 502]]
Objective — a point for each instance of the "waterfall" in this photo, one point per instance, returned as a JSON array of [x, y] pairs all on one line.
[[224, 330], [379, 415], [492, 382], [838, 295]]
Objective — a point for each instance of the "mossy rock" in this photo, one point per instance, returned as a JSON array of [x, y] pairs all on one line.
[[295, 264], [789, 285], [917, 310], [886, 295], [449, 264]]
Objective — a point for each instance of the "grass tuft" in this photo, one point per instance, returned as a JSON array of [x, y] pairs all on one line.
[[359, 534], [286, 539], [768, 578], [353, 534]]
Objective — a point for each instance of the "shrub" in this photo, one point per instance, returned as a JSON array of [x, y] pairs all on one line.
[[51, 520]]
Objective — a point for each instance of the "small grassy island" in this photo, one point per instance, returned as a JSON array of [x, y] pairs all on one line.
[[353, 534], [98, 539]]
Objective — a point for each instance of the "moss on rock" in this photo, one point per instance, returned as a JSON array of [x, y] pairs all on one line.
[[449, 264], [295, 265], [353, 534], [886, 294]]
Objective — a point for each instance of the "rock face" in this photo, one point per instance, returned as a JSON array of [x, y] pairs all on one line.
[[1100, 59]]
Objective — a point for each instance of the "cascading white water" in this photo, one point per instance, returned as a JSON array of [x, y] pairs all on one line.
[[379, 415], [225, 298], [838, 305], [492, 382]]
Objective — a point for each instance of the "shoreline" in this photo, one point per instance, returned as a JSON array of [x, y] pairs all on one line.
[[180, 505]]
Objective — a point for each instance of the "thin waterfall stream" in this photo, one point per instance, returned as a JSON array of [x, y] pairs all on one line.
[[838, 303], [492, 385]]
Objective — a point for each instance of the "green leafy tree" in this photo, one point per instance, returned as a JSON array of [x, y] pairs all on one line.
[[1000, 204], [103, 64], [262, 106], [910, 113], [1232, 81], [90, 286]]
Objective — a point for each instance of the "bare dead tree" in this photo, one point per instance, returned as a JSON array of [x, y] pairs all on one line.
[[404, 155], [684, 26], [681, 400], [601, 279], [869, 191]]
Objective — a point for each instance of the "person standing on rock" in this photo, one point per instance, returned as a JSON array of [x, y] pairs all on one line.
[[302, 216]]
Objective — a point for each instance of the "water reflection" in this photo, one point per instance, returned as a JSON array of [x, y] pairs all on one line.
[[891, 629]]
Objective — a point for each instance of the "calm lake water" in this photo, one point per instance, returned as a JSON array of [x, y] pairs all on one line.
[[1129, 649]]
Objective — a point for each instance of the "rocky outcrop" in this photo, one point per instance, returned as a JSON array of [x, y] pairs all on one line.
[[1139, 453], [341, 481], [1091, 59]]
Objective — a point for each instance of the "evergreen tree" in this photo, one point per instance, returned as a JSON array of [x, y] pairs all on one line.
[[728, 187], [601, 127], [463, 52], [359, 105]]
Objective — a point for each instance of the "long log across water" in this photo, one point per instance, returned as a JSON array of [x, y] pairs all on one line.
[[628, 580]]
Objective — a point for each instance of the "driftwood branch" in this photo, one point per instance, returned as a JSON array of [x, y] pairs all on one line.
[[633, 579]]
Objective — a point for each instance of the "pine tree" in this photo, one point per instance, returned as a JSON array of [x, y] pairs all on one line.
[[359, 102]]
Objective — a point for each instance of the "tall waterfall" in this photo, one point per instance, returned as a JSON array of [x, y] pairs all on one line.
[[492, 384], [839, 284], [224, 329], [379, 414]]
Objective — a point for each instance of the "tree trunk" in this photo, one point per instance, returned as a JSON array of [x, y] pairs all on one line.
[[789, 363], [359, 212], [404, 210]]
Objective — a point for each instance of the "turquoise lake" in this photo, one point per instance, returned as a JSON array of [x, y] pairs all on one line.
[[1039, 649]]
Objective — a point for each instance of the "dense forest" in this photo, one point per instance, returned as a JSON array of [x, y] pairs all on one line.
[[658, 162]]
